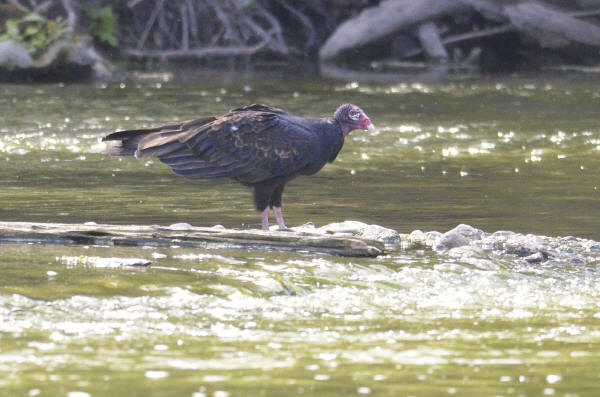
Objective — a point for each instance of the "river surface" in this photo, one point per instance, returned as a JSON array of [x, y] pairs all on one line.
[[518, 153]]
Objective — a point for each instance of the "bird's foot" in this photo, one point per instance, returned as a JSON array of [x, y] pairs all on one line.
[[265, 220], [280, 221]]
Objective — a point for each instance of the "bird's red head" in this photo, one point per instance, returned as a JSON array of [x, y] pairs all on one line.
[[351, 117]]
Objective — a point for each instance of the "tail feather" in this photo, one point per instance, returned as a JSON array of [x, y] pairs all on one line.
[[116, 148], [124, 143], [186, 147], [154, 142], [127, 143]]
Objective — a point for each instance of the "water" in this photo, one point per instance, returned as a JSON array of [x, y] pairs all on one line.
[[500, 153]]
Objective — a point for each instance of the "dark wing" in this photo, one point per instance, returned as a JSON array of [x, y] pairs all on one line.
[[250, 144], [125, 143], [257, 107]]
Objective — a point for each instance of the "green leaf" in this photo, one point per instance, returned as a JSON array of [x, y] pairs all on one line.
[[33, 17], [31, 30], [104, 25], [12, 28]]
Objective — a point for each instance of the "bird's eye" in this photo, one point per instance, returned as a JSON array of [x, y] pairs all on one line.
[[354, 115]]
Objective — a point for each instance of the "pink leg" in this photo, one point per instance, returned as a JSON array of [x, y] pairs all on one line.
[[265, 219], [279, 217]]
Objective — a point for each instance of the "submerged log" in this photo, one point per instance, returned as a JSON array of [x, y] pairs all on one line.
[[305, 239]]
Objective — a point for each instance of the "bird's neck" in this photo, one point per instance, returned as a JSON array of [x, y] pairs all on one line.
[[342, 127], [332, 140]]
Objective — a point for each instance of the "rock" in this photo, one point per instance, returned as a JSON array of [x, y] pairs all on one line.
[[457, 237], [363, 230], [380, 233], [181, 226], [538, 257], [419, 239], [14, 55], [432, 237], [415, 239], [525, 245], [65, 59], [474, 256], [84, 54]]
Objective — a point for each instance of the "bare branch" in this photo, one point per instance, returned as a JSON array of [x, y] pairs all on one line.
[[158, 6], [205, 52], [312, 34], [193, 24], [185, 34], [43, 7], [230, 33], [429, 37], [133, 3], [457, 38], [18, 5], [168, 30], [71, 16], [279, 45]]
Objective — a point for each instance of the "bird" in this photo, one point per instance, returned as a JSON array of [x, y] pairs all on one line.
[[260, 146]]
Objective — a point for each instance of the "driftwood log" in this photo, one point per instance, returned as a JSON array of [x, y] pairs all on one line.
[[186, 235], [377, 22], [552, 29], [549, 24]]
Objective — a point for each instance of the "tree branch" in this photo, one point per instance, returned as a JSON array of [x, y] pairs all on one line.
[[157, 7], [206, 52], [312, 35], [71, 16]]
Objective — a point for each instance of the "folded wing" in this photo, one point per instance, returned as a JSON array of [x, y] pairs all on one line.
[[250, 144]]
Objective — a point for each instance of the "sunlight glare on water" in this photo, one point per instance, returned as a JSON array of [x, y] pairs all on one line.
[[500, 153]]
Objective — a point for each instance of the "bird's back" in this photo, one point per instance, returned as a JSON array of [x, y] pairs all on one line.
[[251, 144]]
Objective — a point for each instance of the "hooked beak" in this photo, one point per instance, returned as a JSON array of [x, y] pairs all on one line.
[[367, 125]]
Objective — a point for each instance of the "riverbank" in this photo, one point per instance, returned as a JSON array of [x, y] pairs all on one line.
[[66, 41]]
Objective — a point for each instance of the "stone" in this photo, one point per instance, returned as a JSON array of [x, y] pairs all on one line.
[[363, 230], [14, 55], [181, 226], [538, 257], [525, 245], [457, 237]]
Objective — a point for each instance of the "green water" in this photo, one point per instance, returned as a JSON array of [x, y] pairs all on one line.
[[516, 153]]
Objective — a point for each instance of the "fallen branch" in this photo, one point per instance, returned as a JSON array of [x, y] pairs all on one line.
[[199, 52], [431, 42], [457, 38], [552, 29], [390, 16], [185, 235], [478, 34], [490, 9]]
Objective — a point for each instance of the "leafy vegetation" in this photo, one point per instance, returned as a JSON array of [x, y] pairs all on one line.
[[104, 24], [33, 31]]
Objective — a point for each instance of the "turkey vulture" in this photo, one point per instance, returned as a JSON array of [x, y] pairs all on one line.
[[257, 145]]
